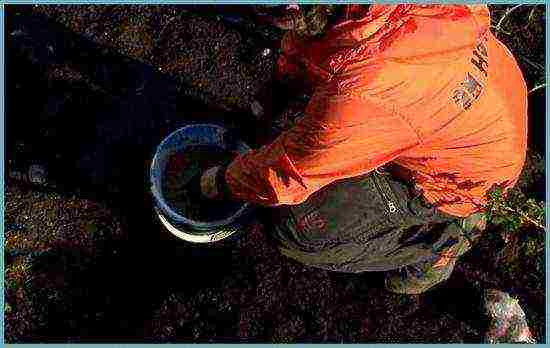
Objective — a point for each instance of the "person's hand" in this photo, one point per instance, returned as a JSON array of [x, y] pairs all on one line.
[[289, 43], [288, 63], [209, 184], [283, 17], [285, 68]]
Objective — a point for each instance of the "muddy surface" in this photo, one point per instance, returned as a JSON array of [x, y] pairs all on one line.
[[91, 92], [181, 184]]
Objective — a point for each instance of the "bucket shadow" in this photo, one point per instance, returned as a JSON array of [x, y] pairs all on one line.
[[97, 139]]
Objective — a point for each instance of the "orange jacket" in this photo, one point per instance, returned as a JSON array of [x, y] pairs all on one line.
[[427, 87]]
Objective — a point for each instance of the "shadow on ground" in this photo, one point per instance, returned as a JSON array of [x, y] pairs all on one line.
[[93, 118], [88, 262]]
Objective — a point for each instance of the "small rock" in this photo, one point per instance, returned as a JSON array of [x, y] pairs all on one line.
[[37, 174], [17, 33], [257, 109]]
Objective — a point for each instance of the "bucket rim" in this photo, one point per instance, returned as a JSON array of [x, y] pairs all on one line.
[[202, 227], [197, 238]]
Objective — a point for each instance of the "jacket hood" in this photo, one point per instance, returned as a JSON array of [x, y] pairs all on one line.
[[382, 30]]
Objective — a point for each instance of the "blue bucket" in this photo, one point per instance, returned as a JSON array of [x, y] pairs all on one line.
[[177, 224]]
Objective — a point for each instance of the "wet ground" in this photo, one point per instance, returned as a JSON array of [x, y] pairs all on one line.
[[91, 92]]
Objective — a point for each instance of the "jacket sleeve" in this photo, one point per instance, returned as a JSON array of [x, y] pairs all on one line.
[[340, 136]]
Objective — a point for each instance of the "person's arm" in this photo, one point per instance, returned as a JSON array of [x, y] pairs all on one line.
[[339, 137]]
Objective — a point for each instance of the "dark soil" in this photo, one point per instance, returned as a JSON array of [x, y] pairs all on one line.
[[92, 90], [181, 185], [522, 32]]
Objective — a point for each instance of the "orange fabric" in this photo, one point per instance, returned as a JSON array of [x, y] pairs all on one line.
[[427, 87], [445, 258]]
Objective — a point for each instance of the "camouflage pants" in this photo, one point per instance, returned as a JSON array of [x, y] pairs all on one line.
[[420, 277], [371, 223]]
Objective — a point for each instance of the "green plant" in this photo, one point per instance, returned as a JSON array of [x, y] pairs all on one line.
[[498, 27], [514, 211], [532, 246], [7, 308], [521, 28]]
